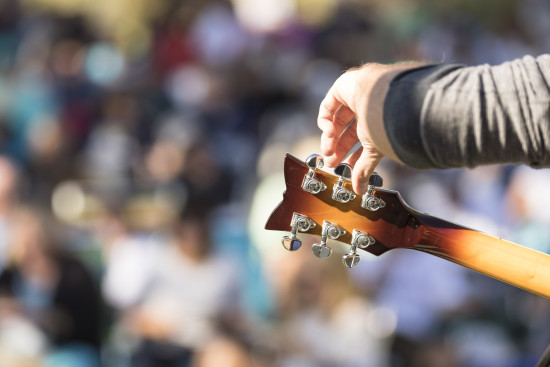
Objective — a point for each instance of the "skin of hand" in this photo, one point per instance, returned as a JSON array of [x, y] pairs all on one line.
[[351, 112]]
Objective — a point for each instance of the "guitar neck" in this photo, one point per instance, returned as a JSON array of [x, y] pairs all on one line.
[[511, 263]]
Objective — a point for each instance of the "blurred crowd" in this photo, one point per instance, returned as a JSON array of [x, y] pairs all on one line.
[[141, 152]]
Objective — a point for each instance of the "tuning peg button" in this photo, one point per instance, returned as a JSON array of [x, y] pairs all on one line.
[[315, 161], [339, 192], [376, 180], [343, 170], [369, 200], [299, 223], [291, 244], [322, 251], [351, 259], [310, 183]]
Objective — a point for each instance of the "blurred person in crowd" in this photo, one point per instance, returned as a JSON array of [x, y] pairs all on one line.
[[52, 291], [48, 166], [224, 352], [208, 184], [527, 206], [438, 116], [326, 321], [111, 151], [174, 293], [9, 180], [165, 159]]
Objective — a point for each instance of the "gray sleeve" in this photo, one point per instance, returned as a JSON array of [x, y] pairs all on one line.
[[444, 116]]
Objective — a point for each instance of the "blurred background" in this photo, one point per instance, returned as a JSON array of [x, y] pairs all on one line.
[[142, 145]]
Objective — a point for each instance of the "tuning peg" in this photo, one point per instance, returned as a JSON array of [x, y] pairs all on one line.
[[332, 231], [322, 251], [351, 259], [376, 180], [359, 239], [315, 161], [300, 223], [339, 192], [369, 201], [310, 183]]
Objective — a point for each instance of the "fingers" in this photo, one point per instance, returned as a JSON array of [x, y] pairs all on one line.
[[339, 136], [366, 159], [334, 114], [353, 157], [343, 145], [333, 127]]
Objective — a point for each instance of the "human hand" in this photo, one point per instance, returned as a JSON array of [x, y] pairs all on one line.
[[352, 112]]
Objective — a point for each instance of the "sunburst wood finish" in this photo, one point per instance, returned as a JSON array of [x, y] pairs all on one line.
[[399, 226]]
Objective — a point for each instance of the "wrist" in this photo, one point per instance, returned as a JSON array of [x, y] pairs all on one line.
[[377, 78]]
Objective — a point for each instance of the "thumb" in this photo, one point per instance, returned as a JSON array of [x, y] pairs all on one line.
[[363, 168]]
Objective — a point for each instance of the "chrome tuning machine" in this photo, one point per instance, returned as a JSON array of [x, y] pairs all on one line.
[[299, 223], [310, 183], [369, 200], [330, 231], [339, 192], [359, 239]]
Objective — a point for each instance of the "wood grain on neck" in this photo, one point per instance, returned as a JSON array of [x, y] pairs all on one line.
[[511, 263]]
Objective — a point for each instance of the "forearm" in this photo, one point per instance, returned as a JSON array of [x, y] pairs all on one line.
[[453, 116]]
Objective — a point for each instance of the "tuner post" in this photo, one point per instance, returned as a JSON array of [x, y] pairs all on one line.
[[330, 231], [299, 223], [370, 201], [310, 183], [359, 239], [339, 192]]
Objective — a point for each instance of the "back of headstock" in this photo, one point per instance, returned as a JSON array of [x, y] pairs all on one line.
[[320, 203]]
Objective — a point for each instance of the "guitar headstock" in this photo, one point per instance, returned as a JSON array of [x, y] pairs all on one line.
[[323, 204]]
